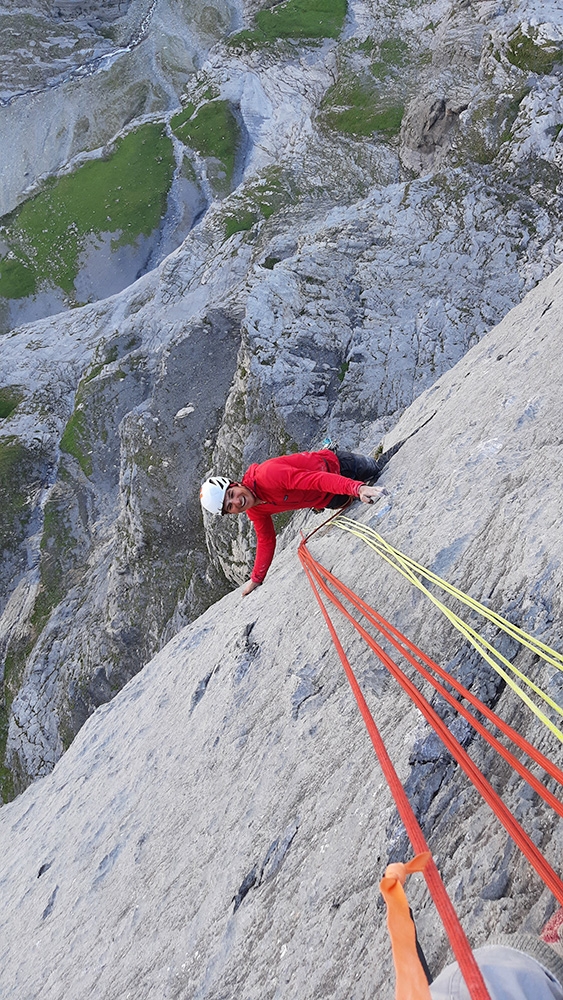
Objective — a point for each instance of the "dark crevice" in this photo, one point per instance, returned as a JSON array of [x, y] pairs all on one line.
[[432, 787], [246, 885], [49, 908], [270, 866], [308, 687], [200, 691]]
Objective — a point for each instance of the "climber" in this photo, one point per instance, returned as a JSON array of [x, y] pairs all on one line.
[[311, 479]]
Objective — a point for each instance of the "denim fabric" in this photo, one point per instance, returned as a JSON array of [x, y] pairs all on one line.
[[357, 466], [508, 973], [353, 467]]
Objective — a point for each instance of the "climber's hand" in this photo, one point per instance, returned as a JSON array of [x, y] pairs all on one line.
[[371, 494]]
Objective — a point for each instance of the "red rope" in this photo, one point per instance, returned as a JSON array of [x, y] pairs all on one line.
[[511, 825], [460, 945], [399, 641]]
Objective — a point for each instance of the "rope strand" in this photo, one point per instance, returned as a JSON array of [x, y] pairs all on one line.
[[511, 825], [460, 945], [405, 565]]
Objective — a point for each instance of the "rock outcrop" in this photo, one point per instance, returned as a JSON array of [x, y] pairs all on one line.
[[219, 829]]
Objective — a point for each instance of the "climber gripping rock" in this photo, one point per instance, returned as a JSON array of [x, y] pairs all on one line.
[[311, 479]]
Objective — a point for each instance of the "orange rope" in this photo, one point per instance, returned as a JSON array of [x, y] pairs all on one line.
[[460, 945], [511, 825]]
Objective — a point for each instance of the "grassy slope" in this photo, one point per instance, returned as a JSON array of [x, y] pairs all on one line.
[[213, 131], [124, 192], [305, 19]]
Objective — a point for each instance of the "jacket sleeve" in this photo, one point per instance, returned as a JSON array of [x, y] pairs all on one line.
[[266, 544], [324, 482]]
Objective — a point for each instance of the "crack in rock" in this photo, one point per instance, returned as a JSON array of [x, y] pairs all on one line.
[[250, 651], [273, 860], [49, 908], [244, 888], [200, 690], [308, 687]]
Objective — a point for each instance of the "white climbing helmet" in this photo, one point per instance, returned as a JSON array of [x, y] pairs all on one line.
[[212, 493]]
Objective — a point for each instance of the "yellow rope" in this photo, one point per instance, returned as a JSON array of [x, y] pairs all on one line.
[[409, 568], [535, 645]]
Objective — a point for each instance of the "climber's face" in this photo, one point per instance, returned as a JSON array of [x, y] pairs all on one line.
[[238, 499]]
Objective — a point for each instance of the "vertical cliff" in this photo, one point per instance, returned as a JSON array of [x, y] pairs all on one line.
[[219, 829]]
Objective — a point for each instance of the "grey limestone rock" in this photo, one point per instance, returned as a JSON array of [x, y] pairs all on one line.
[[200, 838]]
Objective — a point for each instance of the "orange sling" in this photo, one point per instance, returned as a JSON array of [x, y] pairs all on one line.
[[411, 979]]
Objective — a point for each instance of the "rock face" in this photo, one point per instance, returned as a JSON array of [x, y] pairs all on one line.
[[428, 131], [395, 190], [219, 829]]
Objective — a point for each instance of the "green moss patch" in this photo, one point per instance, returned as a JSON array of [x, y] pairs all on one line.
[[57, 555], [354, 108], [11, 454], [76, 440], [213, 131], [528, 54], [183, 116], [259, 199], [17, 276], [107, 356], [124, 192], [6, 778], [298, 19], [490, 127], [282, 520], [509, 112], [10, 397], [16, 470], [240, 223], [393, 55]]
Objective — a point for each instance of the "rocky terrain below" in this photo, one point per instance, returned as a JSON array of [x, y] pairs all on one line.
[[340, 203]]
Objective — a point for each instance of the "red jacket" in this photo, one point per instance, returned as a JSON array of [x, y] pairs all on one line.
[[291, 482]]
